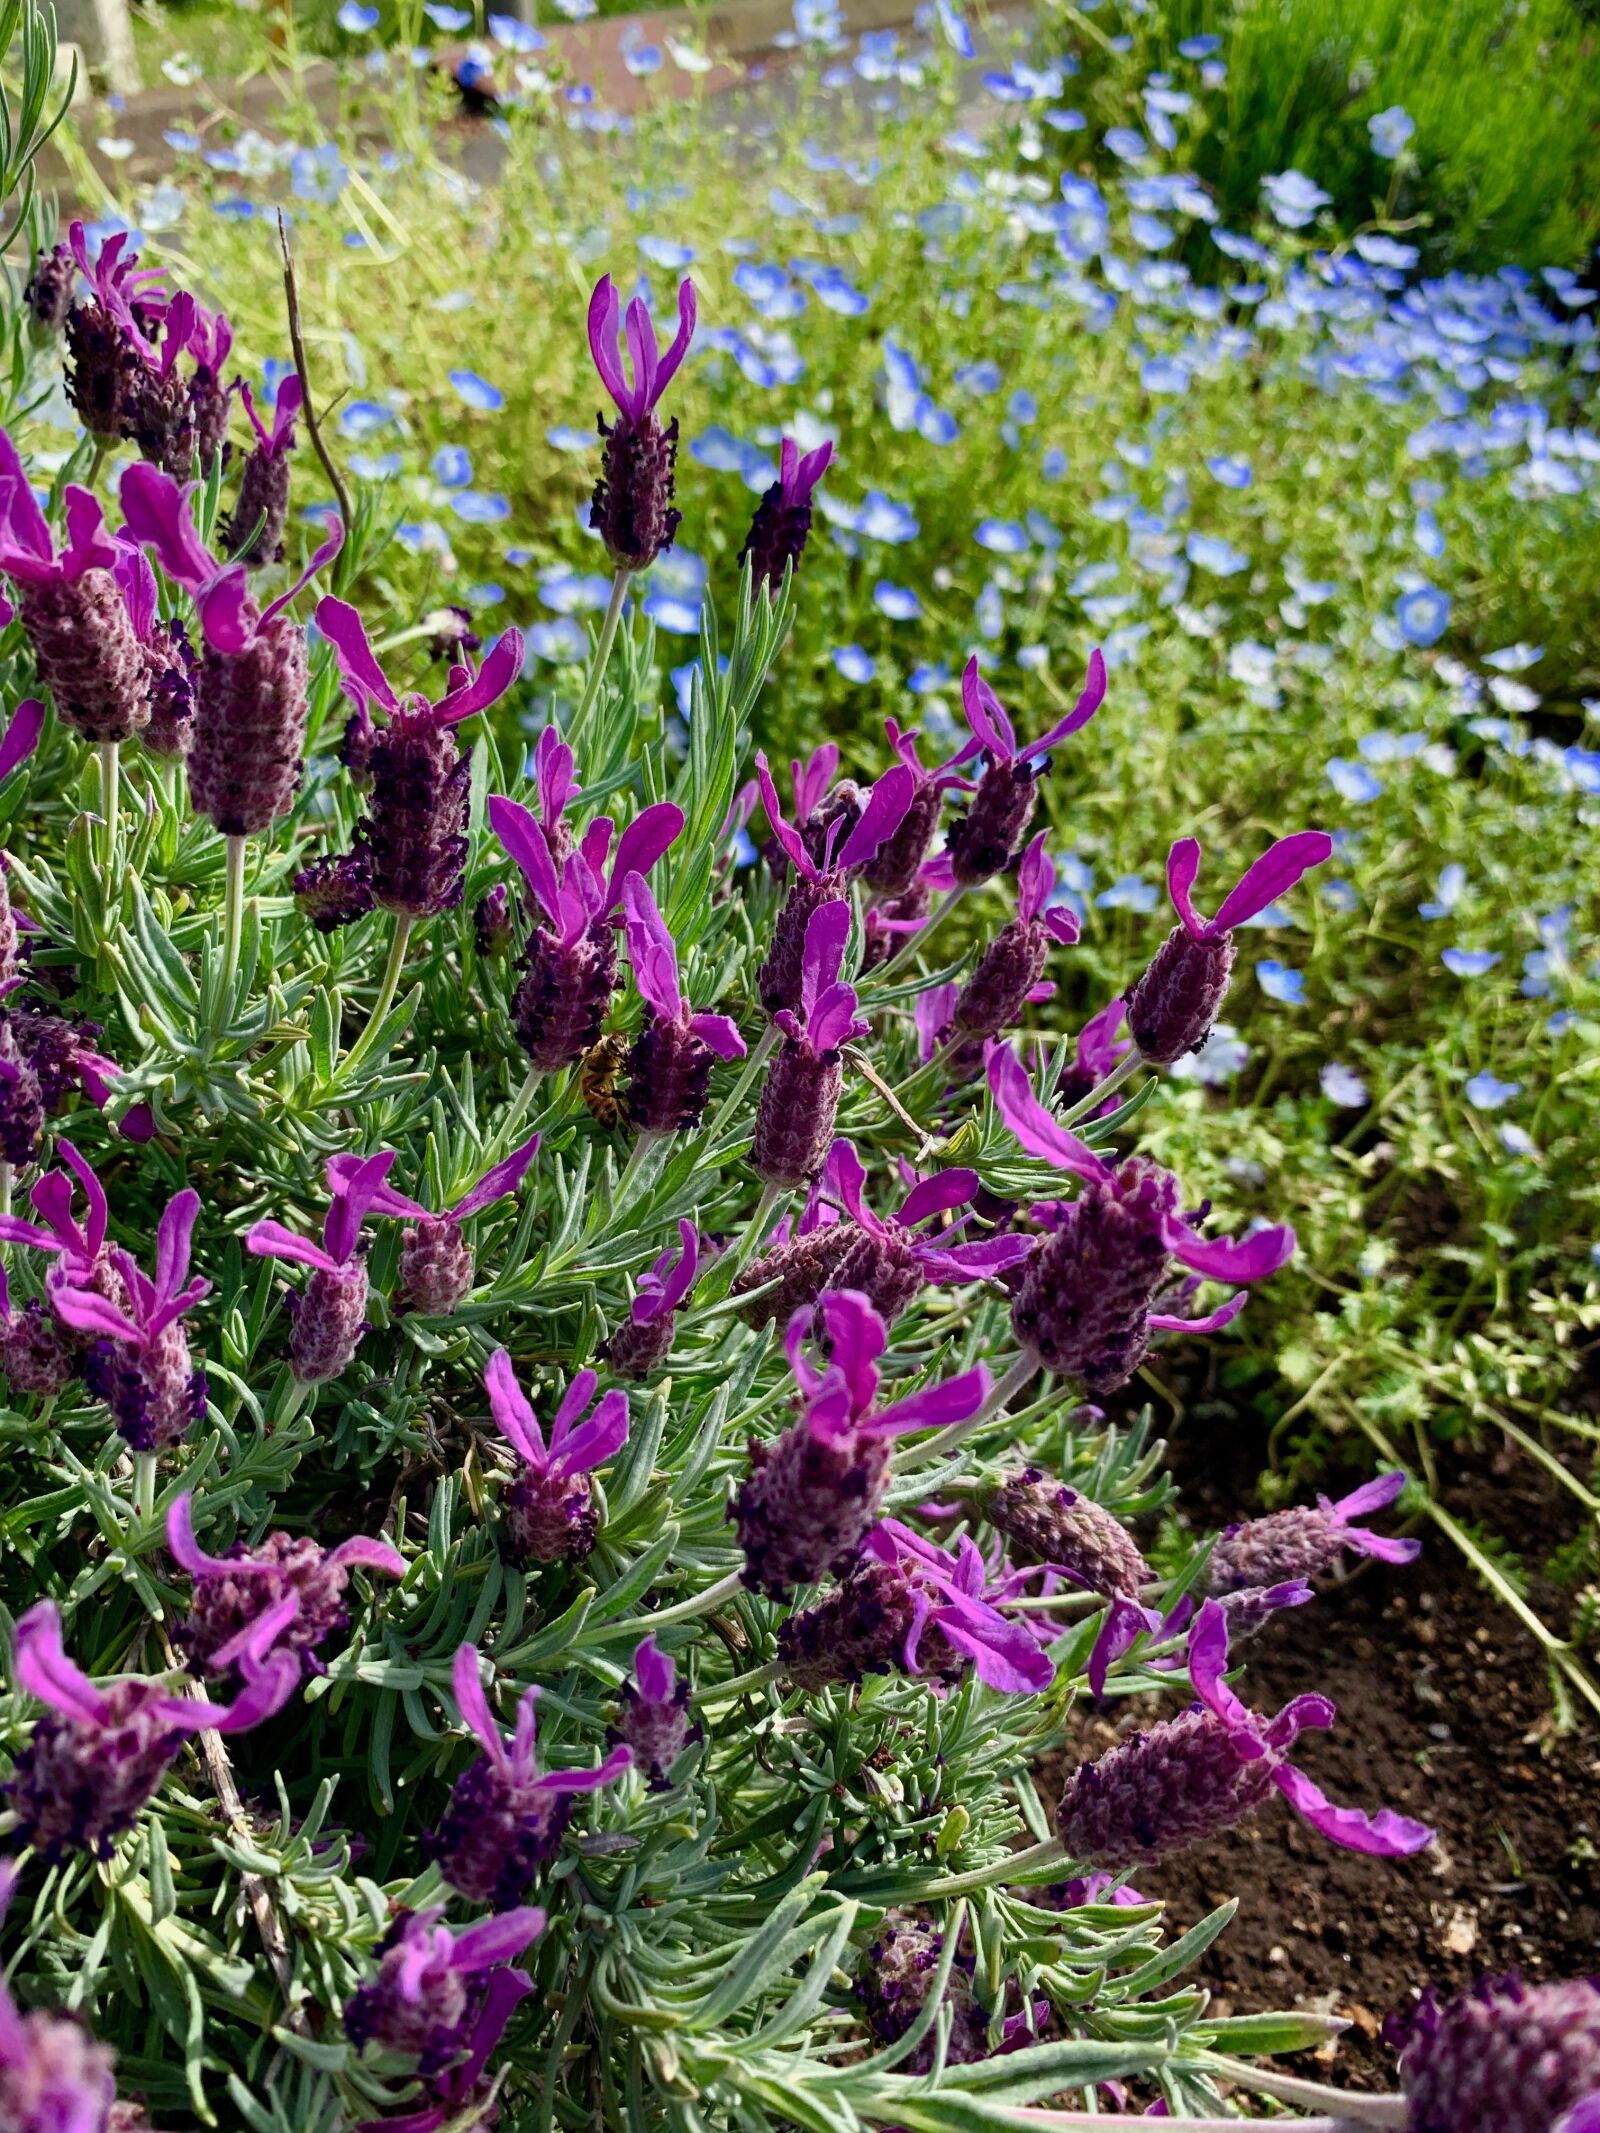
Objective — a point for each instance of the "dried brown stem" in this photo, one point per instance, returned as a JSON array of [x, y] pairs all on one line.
[[297, 342]]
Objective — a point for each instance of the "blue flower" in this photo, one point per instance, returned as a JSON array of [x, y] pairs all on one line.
[[1209, 551], [664, 253], [1447, 892], [317, 173], [1199, 47], [898, 602], [360, 419], [928, 678], [880, 518], [452, 465], [670, 611], [1343, 1086], [1129, 892], [1001, 536], [181, 142], [448, 19], [479, 508], [1231, 472], [1487, 1092], [514, 35], [853, 663], [356, 19], [566, 438], [1353, 781], [1469, 962], [981, 377], [376, 466], [1281, 983], [477, 392], [1293, 199], [1390, 130], [1423, 615], [1054, 463], [1126, 143], [564, 643]]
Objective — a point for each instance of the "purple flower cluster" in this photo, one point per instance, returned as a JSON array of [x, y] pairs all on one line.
[[633, 511], [642, 1343], [547, 1512], [800, 1096]]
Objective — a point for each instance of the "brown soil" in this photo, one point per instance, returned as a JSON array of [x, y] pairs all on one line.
[[1446, 1714]]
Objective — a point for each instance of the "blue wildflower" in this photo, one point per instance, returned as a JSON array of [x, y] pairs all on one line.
[[1343, 1086], [1487, 1092], [1281, 983], [477, 392], [1353, 781], [452, 465], [1390, 131], [1469, 962], [1423, 615], [1293, 198], [898, 602], [854, 664]]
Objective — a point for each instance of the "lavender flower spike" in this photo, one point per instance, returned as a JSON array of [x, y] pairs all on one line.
[[632, 510], [331, 1315], [642, 1343], [435, 1259], [1305, 1540], [78, 1248], [255, 529], [913, 1608], [1086, 1301], [139, 1364], [571, 963], [21, 738], [894, 869], [433, 1986], [653, 1716], [36, 1354], [464, 2088], [54, 2077], [800, 1096], [811, 1497], [84, 648], [286, 1594], [169, 657], [506, 1817], [1172, 1008], [982, 842], [1506, 2055], [1205, 1771], [782, 523], [250, 697], [846, 846], [1011, 967], [106, 334], [547, 1511], [101, 1752], [669, 1064], [410, 850]]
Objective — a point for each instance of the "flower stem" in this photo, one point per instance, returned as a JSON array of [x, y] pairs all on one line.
[[1037, 1863], [109, 766], [1129, 1064], [663, 1617], [640, 1159], [727, 1691], [946, 1440], [1288, 2088], [602, 656], [387, 989], [144, 1486], [735, 1096], [745, 1249], [299, 1393], [232, 920], [7, 1179], [947, 904]]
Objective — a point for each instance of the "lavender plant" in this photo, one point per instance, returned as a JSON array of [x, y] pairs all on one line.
[[821, 1544]]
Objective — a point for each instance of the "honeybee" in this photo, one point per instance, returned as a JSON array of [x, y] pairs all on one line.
[[597, 1080]]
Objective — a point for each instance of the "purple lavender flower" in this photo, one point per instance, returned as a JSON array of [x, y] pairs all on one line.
[[506, 1817], [547, 1513], [811, 1498], [286, 1594], [1097, 1051], [79, 1249], [169, 657], [463, 2089], [1009, 971], [52, 288], [432, 1988], [139, 1364], [410, 849], [54, 2077], [1046, 1522], [896, 866], [982, 842], [642, 1343], [21, 1098], [555, 781], [250, 696], [653, 1720], [669, 1064], [1085, 1304], [896, 1978], [84, 648], [782, 523], [36, 1354], [1172, 1008], [911, 1607], [177, 422], [1205, 1771], [435, 1259], [820, 877], [492, 928], [253, 533], [632, 510], [1305, 1540], [61, 1054], [330, 1316], [1504, 2055], [106, 334], [800, 1096], [571, 964], [99, 1755]]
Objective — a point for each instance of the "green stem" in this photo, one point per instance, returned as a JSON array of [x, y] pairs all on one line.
[[745, 1249], [501, 1144], [602, 655], [300, 1392], [735, 1096], [1289, 2088], [727, 1588], [108, 812], [144, 1486], [1037, 1863], [387, 989], [232, 920], [727, 1691], [946, 1440], [920, 940], [1128, 1065], [640, 1158], [7, 1179]]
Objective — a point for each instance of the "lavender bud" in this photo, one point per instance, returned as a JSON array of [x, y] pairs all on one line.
[[1084, 1300], [263, 504], [777, 537], [778, 979], [250, 727], [423, 2009], [637, 1350], [87, 655], [491, 922], [335, 890], [655, 1729], [414, 832], [861, 1628], [209, 402], [35, 1353], [983, 840], [78, 1784], [21, 1100], [893, 1985], [885, 923], [1157, 1793], [669, 1077], [435, 1266], [832, 819], [795, 1117], [894, 867], [806, 1506], [55, 2076], [170, 663], [1009, 968], [632, 509], [499, 1829], [803, 1267], [50, 289], [153, 1391], [453, 633], [547, 1518], [561, 1003], [330, 1316], [356, 744], [1172, 1008], [282, 1566], [1504, 2055], [1046, 1522], [883, 1265], [160, 419], [1298, 1543], [105, 371]]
